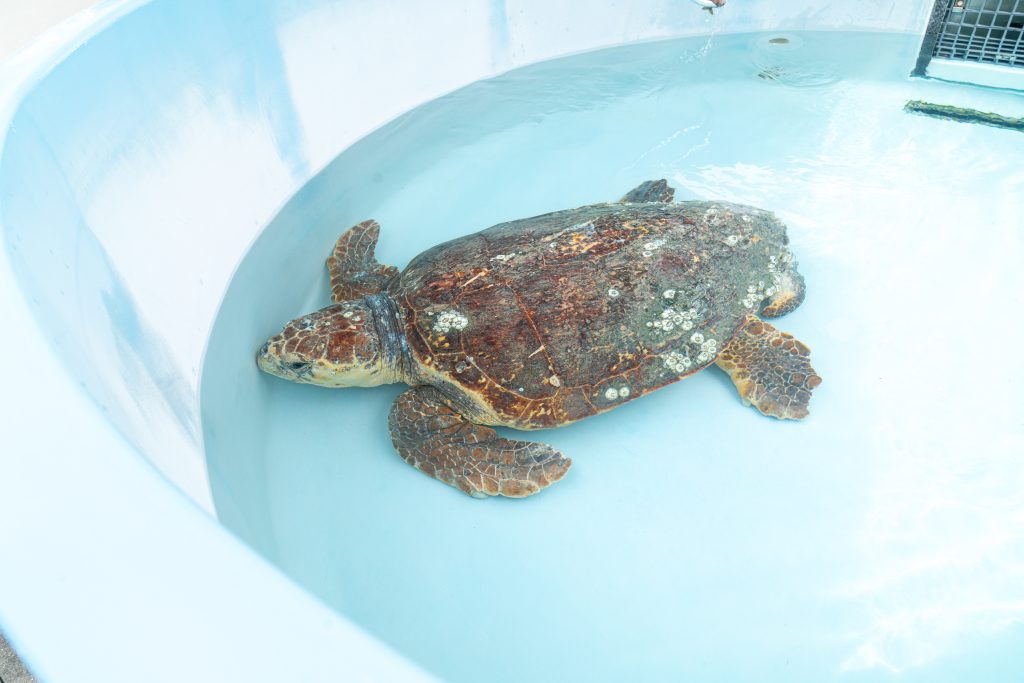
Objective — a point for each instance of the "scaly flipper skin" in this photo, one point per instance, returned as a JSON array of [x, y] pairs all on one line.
[[353, 269], [771, 369], [437, 440]]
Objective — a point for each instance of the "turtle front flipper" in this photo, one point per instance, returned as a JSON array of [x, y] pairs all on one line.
[[354, 270], [648, 192], [771, 369], [439, 441]]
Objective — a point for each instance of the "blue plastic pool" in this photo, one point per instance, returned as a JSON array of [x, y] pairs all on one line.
[[693, 539]]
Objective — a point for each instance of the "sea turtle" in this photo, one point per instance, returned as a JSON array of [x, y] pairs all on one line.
[[544, 321]]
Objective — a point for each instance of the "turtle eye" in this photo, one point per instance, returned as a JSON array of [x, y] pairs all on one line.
[[298, 365]]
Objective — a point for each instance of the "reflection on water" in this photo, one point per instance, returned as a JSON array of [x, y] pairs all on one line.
[[694, 539], [943, 550], [929, 300]]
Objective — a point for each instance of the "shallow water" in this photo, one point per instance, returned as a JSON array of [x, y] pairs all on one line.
[[693, 539]]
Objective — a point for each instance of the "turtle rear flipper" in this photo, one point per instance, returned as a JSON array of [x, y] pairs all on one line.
[[439, 441], [771, 369], [354, 270], [648, 192]]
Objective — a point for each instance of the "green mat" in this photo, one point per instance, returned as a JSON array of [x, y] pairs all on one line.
[[945, 111]]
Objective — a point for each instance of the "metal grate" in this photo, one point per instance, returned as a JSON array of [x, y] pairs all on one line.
[[988, 31]]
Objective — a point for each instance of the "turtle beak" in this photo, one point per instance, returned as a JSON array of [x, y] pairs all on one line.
[[290, 366], [263, 358], [268, 361]]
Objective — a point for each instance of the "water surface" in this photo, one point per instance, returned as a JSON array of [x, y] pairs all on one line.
[[694, 539]]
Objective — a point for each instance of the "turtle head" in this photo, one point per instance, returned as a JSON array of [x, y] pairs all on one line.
[[337, 346]]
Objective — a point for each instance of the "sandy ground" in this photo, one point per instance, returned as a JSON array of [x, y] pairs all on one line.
[[23, 20]]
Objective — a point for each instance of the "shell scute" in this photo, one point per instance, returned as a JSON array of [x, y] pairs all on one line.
[[595, 297]]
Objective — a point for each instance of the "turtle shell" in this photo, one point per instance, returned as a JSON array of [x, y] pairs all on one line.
[[543, 321]]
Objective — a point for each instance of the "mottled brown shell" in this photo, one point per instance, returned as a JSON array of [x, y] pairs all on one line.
[[543, 321]]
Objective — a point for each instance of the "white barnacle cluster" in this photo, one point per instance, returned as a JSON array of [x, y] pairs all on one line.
[[713, 217], [756, 293], [708, 347], [759, 291], [613, 293], [779, 262], [450, 320], [732, 240], [613, 394], [501, 258], [672, 318], [652, 246], [677, 362]]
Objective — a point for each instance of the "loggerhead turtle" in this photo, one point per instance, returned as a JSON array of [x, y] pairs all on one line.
[[541, 322]]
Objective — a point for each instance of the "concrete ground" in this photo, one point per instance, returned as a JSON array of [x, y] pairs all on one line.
[[20, 22], [23, 20], [11, 668]]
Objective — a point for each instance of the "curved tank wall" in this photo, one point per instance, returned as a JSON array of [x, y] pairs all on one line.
[[145, 146]]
